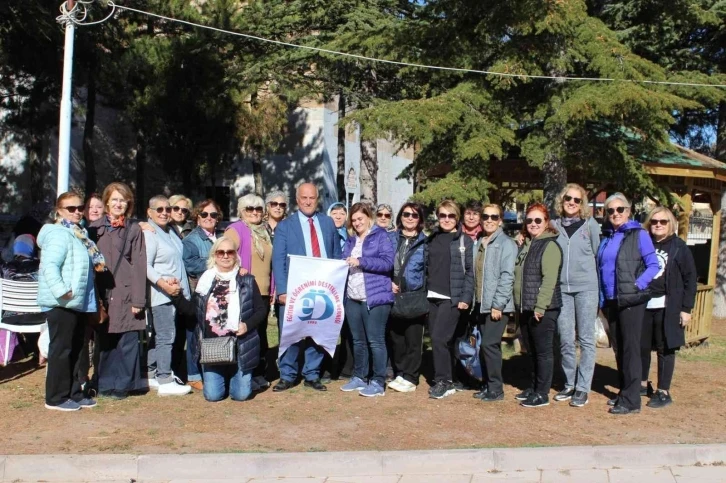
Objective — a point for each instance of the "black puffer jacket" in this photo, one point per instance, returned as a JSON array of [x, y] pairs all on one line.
[[461, 278]]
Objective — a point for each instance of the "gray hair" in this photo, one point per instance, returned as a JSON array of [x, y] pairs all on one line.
[[297, 189], [157, 199], [250, 199], [616, 196], [276, 194]]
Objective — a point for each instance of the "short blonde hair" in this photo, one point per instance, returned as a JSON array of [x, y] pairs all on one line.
[[451, 206], [613, 197], [249, 199], [496, 207], [177, 198], [584, 207], [672, 222], [215, 246]]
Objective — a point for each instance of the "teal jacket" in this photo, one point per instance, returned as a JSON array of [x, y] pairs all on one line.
[[64, 266]]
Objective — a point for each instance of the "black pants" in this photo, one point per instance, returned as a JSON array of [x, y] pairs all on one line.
[[443, 319], [653, 337], [540, 336], [119, 367], [66, 329], [407, 346], [625, 334], [261, 369], [490, 353]]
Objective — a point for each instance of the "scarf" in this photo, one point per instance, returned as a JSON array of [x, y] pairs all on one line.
[[259, 235], [118, 222], [222, 317], [99, 263], [569, 221], [473, 234]]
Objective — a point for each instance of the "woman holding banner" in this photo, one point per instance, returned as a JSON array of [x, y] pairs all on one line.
[[369, 253]]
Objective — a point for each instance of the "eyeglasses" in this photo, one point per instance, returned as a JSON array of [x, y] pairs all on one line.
[[536, 221], [619, 209], [205, 214], [162, 209], [486, 217], [446, 216], [250, 209], [225, 253], [177, 209], [654, 222], [408, 214], [117, 201], [472, 213], [387, 216], [73, 209], [572, 198], [275, 204]]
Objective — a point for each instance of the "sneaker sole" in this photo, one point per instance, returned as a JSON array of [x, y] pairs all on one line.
[[562, 398], [353, 390], [89, 407], [404, 389], [372, 395], [174, 394], [447, 393], [58, 408], [535, 405], [579, 405]]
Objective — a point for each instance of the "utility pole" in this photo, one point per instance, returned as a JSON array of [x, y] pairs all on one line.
[[66, 106]]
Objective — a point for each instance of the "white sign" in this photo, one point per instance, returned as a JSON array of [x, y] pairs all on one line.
[[314, 305]]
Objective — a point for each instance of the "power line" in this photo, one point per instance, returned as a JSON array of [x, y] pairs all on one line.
[[115, 7]]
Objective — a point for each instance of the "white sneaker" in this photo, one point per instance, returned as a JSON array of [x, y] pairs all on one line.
[[174, 388], [396, 383], [153, 383], [405, 386]]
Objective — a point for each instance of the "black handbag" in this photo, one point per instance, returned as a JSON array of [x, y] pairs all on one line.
[[218, 351], [414, 304]]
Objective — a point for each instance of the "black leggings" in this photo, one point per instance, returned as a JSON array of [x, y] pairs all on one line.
[[540, 336], [625, 333], [654, 338]]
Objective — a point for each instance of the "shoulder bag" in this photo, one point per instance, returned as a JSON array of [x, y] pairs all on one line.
[[410, 305], [218, 350]]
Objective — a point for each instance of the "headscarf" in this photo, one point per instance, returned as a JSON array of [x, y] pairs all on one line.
[[99, 263]]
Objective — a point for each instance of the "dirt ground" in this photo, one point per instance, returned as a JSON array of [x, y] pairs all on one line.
[[304, 420]]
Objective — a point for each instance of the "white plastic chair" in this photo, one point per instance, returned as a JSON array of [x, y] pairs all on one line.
[[20, 297]]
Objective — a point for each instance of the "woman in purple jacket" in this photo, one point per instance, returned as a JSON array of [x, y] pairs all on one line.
[[369, 253]]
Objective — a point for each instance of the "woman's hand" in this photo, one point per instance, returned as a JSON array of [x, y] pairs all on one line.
[[496, 314], [463, 306], [519, 239], [243, 271], [685, 319], [538, 316], [352, 262], [170, 287], [146, 227], [67, 296], [242, 330], [395, 288], [136, 310]]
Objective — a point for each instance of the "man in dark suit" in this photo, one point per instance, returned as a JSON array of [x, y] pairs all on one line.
[[306, 232]]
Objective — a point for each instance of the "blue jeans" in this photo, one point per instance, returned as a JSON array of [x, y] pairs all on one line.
[[193, 372], [368, 327], [159, 356], [288, 361], [579, 311], [218, 378]]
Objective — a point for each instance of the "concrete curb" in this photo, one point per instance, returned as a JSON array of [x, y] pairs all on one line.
[[367, 463]]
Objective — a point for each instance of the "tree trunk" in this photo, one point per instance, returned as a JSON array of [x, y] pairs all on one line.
[[257, 173], [555, 178], [340, 179], [369, 157], [720, 152], [88, 129], [140, 175]]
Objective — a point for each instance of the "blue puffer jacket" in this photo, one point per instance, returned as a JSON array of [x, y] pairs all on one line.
[[416, 268], [377, 265]]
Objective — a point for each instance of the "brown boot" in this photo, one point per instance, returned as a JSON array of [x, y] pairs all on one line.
[[198, 385]]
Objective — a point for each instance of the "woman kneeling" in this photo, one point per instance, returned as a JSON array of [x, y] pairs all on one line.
[[229, 304]]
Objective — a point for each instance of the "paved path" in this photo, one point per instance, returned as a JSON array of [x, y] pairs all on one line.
[[590, 464]]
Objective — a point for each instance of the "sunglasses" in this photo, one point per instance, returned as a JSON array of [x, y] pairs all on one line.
[[73, 209], [275, 204], [225, 253], [619, 209], [408, 214], [205, 214], [659, 222], [572, 198], [162, 209], [250, 209], [485, 217], [446, 216], [387, 216], [536, 221], [177, 209]]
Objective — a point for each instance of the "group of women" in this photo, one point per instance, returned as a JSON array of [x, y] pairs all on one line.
[[109, 268]]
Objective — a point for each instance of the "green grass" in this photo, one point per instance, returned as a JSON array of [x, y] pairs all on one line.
[[713, 351]]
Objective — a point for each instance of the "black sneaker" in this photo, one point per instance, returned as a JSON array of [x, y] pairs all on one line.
[[536, 400], [481, 392], [579, 399], [442, 389], [647, 390], [522, 396], [659, 400], [622, 410], [490, 397], [459, 386], [565, 394], [613, 402]]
